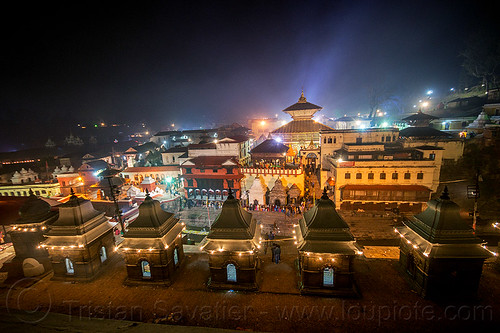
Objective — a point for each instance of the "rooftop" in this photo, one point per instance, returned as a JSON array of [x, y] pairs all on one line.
[[270, 146], [210, 161], [301, 126], [422, 132]]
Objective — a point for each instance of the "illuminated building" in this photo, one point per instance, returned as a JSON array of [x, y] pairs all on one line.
[[326, 251], [27, 232], [302, 129], [161, 174], [23, 176], [152, 245], [278, 194], [22, 190], [232, 247], [374, 176], [439, 254], [269, 153], [69, 179], [80, 241], [211, 177]]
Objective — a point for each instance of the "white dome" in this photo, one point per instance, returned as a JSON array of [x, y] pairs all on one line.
[[64, 168], [71, 169], [23, 171]]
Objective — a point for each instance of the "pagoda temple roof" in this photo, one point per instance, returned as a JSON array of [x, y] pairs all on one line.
[[35, 210], [78, 224], [303, 104], [422, 132], [234, 226], [270, 146], [234, 229], [152, 222], [441, 223], [301, 126], [322, 230], [420, 116]]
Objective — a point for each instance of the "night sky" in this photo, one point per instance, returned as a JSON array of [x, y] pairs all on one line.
[[203, 62]]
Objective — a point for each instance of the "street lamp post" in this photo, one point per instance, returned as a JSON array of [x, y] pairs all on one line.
[[473, 193], [108, 174]]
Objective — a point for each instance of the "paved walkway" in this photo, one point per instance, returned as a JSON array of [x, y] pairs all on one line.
[[279, 278]]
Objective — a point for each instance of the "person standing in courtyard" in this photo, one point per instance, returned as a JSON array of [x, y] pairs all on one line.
[[277, 254]]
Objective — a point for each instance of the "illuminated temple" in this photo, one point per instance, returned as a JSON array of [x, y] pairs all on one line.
[[232, 247], [299, 132], [439, 254], [153, 244]]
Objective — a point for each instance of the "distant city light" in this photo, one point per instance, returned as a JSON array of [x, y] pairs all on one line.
[[452, 89], [429, 92], [173, 125], [425, 104], [414, 105], [278, 139], [262, 122]]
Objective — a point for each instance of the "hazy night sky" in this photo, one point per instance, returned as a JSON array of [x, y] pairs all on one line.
[[194, 63]]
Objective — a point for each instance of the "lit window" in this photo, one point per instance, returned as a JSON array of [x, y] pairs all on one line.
[[69, 266], [382, 175], [231, 273], [420, 175], [395, 175], [146, 269], [347, 175], [407, 175]]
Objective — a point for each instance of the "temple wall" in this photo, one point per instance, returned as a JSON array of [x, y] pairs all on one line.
[[86, 260]]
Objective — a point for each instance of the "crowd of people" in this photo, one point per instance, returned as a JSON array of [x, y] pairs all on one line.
[[288, 210]]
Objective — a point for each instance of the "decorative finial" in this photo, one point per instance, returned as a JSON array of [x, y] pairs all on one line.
[[31, 192], [302, 98], [72, 193], [325, 195], [230, 194], [147, 194], [445, 195]]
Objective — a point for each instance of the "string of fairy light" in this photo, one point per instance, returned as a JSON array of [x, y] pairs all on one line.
[[415, 246], [80, 246]]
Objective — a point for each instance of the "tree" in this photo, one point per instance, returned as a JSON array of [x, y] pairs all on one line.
[[377, 97], [482, 58], [154, 158]]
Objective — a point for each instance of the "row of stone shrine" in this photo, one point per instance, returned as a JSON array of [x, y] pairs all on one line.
[[439, 253]]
